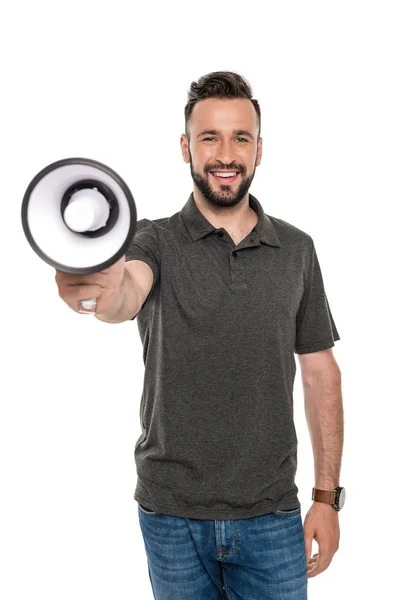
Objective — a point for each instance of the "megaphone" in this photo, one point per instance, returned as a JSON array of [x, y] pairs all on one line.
[[78, 215]]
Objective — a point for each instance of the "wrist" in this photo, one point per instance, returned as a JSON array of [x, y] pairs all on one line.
[[335, 498]]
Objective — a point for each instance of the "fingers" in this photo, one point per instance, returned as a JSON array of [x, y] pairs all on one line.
[[312, 561], [73, 294], [317, 564], [308, 538], [68, 280], [103, 286]]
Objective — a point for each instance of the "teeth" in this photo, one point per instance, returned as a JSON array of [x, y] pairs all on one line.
[[217, 174]]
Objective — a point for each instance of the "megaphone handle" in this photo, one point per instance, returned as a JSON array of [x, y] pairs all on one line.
[[88, 306]]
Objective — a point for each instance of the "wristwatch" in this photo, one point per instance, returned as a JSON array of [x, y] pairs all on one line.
[[336, 498]]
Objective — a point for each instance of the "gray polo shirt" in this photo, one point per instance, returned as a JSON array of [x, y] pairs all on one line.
[[219, 330]]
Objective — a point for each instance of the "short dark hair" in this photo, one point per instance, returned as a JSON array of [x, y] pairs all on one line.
[[220, 84]]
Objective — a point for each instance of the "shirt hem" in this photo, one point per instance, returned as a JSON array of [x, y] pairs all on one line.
[[212, 513]]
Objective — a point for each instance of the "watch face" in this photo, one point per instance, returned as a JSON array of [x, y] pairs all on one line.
[[342, 498]]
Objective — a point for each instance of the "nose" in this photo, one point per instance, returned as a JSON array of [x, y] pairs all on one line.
[[226, 152]]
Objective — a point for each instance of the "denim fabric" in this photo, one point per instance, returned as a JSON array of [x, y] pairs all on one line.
[[260, 558]]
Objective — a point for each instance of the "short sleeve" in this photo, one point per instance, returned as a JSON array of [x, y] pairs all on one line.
[[315, 327], [144, 246]]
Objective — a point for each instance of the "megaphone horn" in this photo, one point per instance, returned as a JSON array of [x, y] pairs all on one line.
[[78, 215]]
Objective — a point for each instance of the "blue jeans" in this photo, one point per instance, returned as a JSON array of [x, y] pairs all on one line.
[[260, 558]]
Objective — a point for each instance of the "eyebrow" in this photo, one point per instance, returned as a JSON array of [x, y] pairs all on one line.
[[235, 131]]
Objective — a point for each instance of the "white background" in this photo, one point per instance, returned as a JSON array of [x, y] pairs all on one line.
[[109, 81]]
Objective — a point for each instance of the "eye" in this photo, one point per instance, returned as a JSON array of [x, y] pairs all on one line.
[[214, 138]]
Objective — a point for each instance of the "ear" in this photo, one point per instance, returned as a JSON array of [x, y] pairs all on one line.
[[259, 152], [185, 148]]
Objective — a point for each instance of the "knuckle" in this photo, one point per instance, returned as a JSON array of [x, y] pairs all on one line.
[[81, 292], [85, 291]]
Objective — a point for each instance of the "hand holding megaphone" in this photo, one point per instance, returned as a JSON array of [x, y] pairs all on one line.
[[79, 216], [100, 289]]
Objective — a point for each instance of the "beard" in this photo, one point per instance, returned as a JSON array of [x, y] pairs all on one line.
[[225, 197]]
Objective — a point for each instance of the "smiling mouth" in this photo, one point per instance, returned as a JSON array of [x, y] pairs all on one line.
[[225, 177]]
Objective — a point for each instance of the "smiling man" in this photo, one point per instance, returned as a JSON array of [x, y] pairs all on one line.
[[225, 137], [224, 295], [225, 158]]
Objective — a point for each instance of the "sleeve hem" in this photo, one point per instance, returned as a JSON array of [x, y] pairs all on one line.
[[155, 277], [316, 346], [148, 261]]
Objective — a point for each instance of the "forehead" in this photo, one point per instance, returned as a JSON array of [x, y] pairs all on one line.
[[223, 114]]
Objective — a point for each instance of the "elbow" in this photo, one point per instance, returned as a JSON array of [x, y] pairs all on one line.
[[329, 378]]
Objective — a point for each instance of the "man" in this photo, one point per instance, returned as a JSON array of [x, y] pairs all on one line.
[[224, 295]]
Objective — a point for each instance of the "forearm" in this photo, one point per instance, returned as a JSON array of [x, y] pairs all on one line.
[[125, 303], [324, 414]]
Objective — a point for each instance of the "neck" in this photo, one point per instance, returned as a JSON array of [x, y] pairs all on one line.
[[231, 218]]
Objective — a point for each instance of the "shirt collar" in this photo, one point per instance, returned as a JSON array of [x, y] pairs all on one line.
[[198, 226]]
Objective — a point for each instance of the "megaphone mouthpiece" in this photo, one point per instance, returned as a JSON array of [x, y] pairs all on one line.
[[87, 210]]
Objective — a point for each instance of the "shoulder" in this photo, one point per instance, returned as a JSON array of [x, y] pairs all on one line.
[[161, 229], [151, 227], [155, 224], [290, 234]]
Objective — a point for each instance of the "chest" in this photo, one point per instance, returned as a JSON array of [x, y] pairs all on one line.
[[215, 282]]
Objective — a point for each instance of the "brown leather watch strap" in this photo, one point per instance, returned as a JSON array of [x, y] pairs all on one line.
[[323, 496]]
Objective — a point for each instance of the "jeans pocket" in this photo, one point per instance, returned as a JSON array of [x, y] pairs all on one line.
[[291, 512], [146, 511]]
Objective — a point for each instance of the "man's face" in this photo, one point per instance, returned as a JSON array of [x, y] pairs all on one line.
[[223, 140]]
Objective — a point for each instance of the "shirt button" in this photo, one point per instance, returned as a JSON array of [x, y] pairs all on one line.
[[220, 233], [234, 254]]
